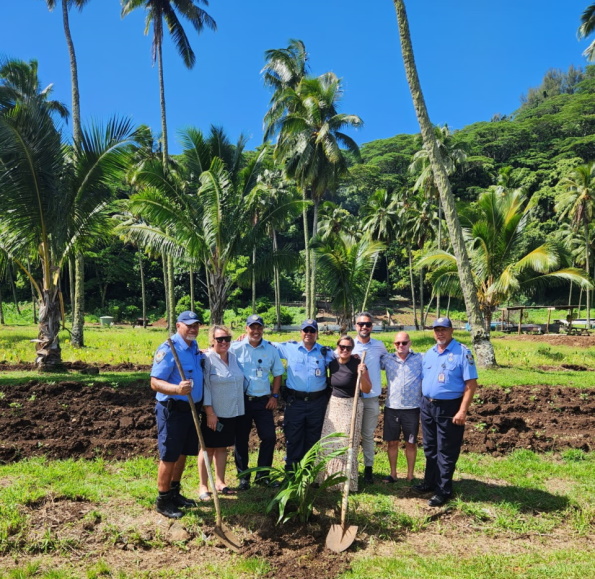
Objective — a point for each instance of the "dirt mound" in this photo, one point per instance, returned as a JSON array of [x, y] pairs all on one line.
[[69, 419], [553, 339]]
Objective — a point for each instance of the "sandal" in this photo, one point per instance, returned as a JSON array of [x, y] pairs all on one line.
[[389, 479], [226, 491], [204, 497]]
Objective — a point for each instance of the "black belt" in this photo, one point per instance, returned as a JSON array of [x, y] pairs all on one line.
[[306, 396], [177, 405], [439, 400], [252, 398]]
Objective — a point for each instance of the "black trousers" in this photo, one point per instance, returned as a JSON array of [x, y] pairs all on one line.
[[442, 442], [302, 426], [256, 413]]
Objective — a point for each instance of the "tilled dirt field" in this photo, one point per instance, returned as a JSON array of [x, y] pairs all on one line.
[[69, 419]]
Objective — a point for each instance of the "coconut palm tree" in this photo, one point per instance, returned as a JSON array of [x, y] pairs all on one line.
[[494, 231], [586, 29], [481, 338], [160, 12], [53, 200], [346, 263], [577, 202], [311, 137]]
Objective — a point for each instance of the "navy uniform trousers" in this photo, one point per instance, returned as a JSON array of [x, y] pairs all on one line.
[[264, 420], [442, 442]]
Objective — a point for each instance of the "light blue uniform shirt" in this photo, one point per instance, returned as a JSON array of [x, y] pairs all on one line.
[[404, 380], [164, 367], [375, 349], [444, 374], [257, 362], [306, 369]]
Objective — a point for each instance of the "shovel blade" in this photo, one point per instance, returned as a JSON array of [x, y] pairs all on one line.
[[228, 538], [340, 538]]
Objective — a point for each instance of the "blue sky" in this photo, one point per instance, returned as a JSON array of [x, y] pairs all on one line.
[[475, 59]]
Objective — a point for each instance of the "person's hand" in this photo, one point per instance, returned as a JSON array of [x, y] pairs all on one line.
[[212, 420], [362, 369], [271, 404], [240, 337], [184, 387], [459, 418]]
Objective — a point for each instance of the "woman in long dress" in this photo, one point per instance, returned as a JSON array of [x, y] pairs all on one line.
[[223, 403], [344, 371]]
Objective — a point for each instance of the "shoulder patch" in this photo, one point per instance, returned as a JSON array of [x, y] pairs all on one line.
[[470, 359], [292, 342], [159, 355]]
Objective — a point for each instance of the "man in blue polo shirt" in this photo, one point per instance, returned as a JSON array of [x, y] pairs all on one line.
[[176, 432], [449, 380], [258, 359], [306, 392]]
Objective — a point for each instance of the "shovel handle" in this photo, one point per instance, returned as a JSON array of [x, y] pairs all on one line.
[[201, 440], [348, 466]]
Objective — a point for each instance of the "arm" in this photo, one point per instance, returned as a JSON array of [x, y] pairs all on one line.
[[365, 384], [208, 398], [182, 389], [272, 403], [461, 416]]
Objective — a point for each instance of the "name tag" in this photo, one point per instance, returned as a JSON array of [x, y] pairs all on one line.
[[441, 378], [318, 372]]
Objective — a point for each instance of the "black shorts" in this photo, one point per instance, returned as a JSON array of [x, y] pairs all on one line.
[[397, 421], [222, 438], [176, 433]]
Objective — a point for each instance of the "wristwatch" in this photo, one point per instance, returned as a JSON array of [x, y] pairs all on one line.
[[274, 395]]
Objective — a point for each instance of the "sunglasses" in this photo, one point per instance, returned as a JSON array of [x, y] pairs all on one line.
[[222, 339], [309, 331], [364, 324], [401, 343], [348, 348]]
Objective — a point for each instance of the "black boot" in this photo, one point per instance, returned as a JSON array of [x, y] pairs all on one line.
[[368, 474], [178, 499], [165, 506]]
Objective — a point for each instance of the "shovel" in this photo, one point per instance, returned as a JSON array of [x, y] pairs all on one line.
[[227, 537], [341, 536]]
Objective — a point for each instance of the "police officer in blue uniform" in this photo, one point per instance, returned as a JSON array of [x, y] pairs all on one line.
[[306, 392], [176, 432], [449, 380], [258, 359]]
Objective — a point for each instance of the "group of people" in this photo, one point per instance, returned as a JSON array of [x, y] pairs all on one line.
[[231, 384]]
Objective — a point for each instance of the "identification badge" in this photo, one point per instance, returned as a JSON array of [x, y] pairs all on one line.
[[318, 373], [259, 372], [441, 378], [451, 358]]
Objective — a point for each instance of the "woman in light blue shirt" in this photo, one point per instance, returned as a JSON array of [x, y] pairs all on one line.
[[223, 403]]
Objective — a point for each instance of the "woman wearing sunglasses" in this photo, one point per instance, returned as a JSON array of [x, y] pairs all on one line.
[[223, 403], [344, 371]]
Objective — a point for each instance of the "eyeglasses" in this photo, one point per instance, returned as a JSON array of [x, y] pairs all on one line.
[[401, 343], [364, 324], [348, 348], [221, 339], [309, 331]]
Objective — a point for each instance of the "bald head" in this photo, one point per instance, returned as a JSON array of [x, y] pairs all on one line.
[[402, 344]]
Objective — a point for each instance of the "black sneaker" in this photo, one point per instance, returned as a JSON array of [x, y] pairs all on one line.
[[165, 506], [422, 487], [244, 484], [368, 478], [438, 500], [181, 501]]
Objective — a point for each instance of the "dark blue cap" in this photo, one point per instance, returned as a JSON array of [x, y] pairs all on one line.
[[309, 324], [254, 319], [188, 318], [442, 323]]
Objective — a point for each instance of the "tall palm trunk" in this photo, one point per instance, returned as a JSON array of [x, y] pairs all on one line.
[[78, 310], [2, 322], [165, 287], [277, 282], [254, 279], [191, 276], [171, 302], [33, 297], [313, 305], [143, 291], [369, 284], [158, 22], [412, 284], [484, 349], [217, 285], [78, 292], [587, 269], [14, 288], [307, 256], [421, 299]]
